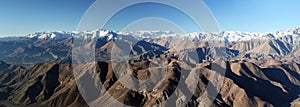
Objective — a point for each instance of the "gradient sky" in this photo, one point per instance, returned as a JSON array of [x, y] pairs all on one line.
[[141, 10], [256, 15], [20, 17]]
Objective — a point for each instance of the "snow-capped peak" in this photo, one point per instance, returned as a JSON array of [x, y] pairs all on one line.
[[50, 35], [108, 34]]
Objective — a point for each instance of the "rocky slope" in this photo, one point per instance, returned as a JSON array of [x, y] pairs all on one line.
[[151, 68], [245, 84]]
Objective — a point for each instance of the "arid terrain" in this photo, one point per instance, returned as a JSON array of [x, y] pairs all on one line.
[[221, 69]]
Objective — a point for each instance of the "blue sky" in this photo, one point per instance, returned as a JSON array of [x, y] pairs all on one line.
[[256, 15], [141, 10], [20, 17]]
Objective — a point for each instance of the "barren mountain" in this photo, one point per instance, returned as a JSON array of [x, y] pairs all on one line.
[[50, 46], [151, 68], [245, 84]]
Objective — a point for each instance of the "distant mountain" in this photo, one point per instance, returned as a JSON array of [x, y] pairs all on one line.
[[50, 46], [230, 36], [8, 39]]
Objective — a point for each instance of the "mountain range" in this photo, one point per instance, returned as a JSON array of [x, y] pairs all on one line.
[[254, 69], [49, 46]]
